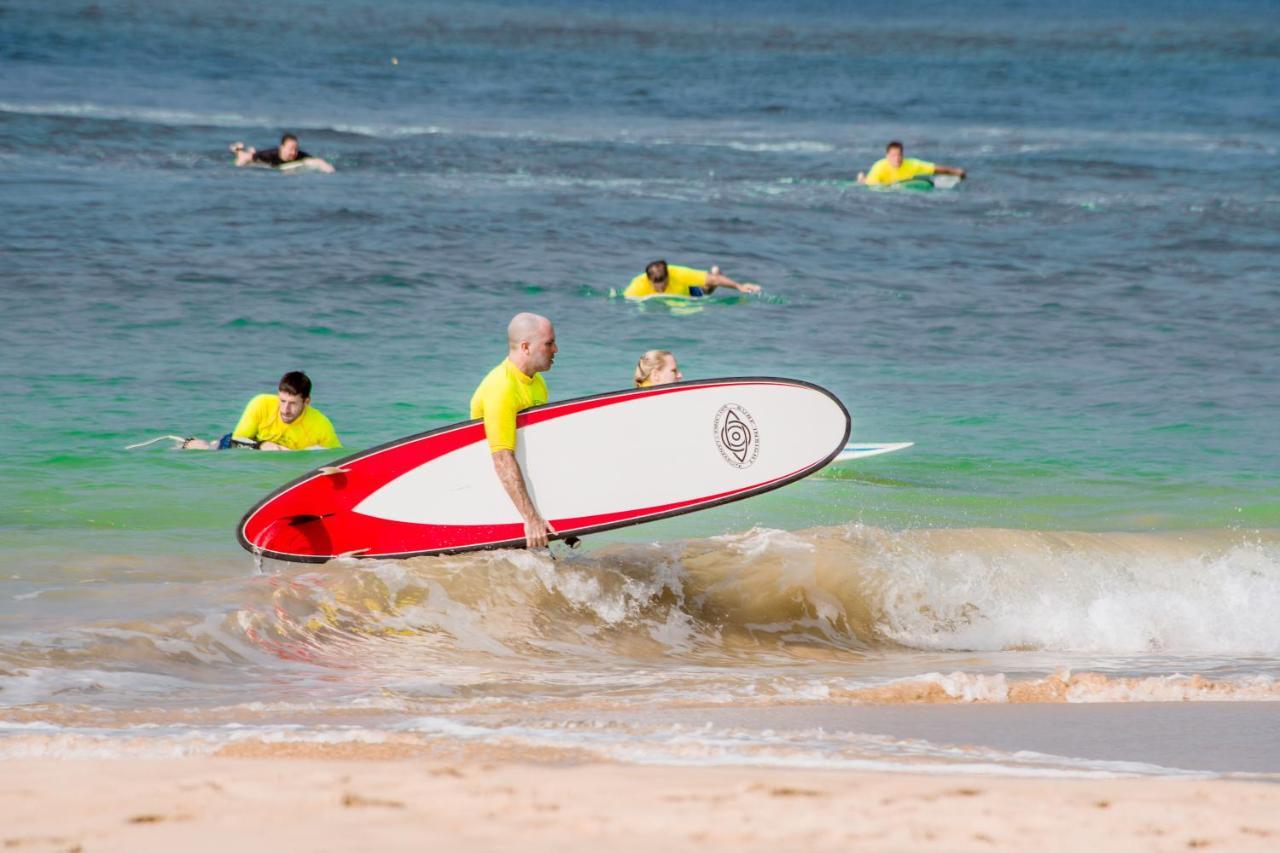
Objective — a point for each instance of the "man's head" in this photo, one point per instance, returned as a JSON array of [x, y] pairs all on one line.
[[531, 343], [294, 393], [656, 272], [288, 147], [893, 153]]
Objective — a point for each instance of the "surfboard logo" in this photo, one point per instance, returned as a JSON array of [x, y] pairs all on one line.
[[736, 436]]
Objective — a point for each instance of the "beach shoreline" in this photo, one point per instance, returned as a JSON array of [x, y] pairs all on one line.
[[327, 798]]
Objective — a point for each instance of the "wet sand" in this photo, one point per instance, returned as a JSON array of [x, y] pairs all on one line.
[[1214, 737], [345, 801]]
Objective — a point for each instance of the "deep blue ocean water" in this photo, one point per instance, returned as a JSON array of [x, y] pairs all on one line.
[[1082, 336]]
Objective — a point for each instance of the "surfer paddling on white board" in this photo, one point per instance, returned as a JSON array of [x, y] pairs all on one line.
[[511, 387], [894, 168], [657, 367], [672, 280], [280, 157]]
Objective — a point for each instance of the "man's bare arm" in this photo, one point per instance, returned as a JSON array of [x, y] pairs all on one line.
[[715, 279], [536, 527], [244, 156]]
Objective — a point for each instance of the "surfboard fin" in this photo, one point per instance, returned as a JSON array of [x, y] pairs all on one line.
[[176, 438], [334, 469]]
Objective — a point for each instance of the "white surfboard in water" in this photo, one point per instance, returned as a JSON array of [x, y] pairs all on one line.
[[862, 451]]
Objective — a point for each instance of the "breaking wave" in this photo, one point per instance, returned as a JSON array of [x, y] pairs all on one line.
[[849, 588], [847, 613]]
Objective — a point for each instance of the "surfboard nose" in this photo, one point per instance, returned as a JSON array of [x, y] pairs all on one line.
[[293, 534]]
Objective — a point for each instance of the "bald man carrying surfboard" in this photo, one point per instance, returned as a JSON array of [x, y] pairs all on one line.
[[514, 385]]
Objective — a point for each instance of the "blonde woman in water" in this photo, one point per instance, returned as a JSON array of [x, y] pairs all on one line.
[[657, 367]]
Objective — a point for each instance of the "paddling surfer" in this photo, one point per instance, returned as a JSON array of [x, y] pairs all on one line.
[[893, 168], [286, 152], [285, 420], [672, 280], [512, 386]]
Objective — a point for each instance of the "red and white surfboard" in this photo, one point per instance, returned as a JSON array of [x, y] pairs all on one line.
[[590, 464]]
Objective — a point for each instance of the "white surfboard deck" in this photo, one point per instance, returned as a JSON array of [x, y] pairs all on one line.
[[306, 164]]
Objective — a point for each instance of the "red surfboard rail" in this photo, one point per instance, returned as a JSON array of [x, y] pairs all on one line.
[[585, 462]]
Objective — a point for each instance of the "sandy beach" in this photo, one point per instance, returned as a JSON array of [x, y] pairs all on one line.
[[329, 801]]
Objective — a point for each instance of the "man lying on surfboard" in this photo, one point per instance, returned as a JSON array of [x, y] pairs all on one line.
[[893, 169], [659, 277], [281, 421], [280, 157], [512, 386]]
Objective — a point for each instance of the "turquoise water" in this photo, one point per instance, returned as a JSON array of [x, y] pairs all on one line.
[[1080, 338]]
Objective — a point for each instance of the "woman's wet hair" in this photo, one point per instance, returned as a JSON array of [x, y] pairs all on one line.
[[648, 363], [297, 383]]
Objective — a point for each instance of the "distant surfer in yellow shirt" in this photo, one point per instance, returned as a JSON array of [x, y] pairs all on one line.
[[893, 168], [512, 386], [281, 421], [660, 277]]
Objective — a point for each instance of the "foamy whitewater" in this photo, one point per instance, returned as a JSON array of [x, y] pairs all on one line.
[[578, 653], [1075, 570]]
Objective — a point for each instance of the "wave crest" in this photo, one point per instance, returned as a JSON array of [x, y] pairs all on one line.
[[841, 589]]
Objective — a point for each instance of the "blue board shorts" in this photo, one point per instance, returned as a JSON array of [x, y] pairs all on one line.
[[227, 442]]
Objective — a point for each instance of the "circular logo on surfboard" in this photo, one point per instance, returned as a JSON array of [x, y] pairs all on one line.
[[736, 436]]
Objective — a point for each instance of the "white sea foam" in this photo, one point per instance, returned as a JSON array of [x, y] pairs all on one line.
[[1109, 593], [1062, 687], [550, 133], [799, 146], [809, 749], [169, 741], [628, 741], [149, 115], [33, 685]]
